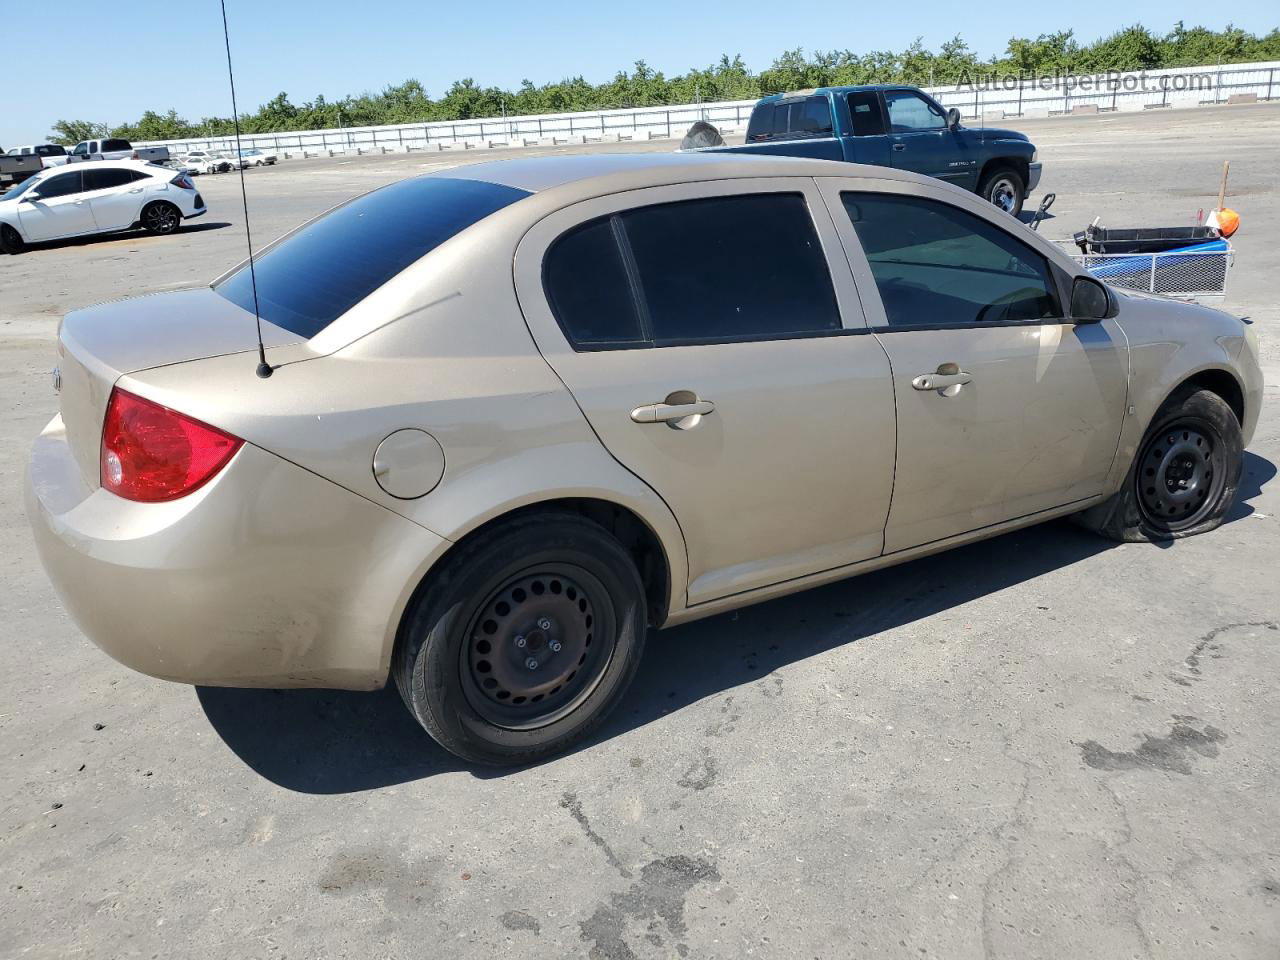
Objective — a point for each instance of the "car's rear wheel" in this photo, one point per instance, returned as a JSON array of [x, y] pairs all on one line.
[[1184, 477], [10, 240], [161, 218], [525, 639], [1005, 188]]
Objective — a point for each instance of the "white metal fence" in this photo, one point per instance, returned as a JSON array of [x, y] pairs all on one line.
[[1198, 276], [984, 97]]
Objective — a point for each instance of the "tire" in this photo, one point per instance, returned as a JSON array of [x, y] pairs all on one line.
[[1184, 478], [161, 218], [10, 240], [1005, 188], [538, 591]]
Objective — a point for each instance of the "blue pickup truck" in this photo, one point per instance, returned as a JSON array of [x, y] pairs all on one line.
[[896, 126]]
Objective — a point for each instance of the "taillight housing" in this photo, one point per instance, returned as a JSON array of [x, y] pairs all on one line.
[[152, 454], [183, 181]]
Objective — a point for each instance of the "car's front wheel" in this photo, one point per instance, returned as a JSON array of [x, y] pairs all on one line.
[[524, 640], [1005, 188], [10, 240], [1184, 477], [161, 218]]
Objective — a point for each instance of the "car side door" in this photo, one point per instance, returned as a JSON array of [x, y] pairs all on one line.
[[1006, 406], [58, 208], [923, 142], [865, 135], [115, 195], [712, 337]]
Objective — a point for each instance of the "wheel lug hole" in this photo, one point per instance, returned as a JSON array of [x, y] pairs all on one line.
[[520, 642], [531, 663], [555, 648], [544, 623]]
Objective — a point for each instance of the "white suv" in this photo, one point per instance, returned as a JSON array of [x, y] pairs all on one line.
[[96, 198]]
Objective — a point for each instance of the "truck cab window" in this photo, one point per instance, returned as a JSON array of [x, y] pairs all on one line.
[[911, 113], [866, 117], [790, 119]]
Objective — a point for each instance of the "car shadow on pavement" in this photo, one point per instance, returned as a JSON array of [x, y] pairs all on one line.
[[126, 236], [327, 742]]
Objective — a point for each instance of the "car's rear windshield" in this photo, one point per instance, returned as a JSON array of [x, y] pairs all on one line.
[[322, 271]]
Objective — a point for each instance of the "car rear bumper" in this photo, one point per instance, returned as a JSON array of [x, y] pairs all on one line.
[[1033, 175], [268, 575]]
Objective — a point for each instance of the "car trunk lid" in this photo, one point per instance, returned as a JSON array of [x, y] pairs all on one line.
[[100, 344]]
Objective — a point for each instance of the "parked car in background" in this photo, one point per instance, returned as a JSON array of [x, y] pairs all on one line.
[[204, 161], [558, 400], [116, 149], [897, 126], [50, 154], [259, 158], [96, 198], [15, 168]]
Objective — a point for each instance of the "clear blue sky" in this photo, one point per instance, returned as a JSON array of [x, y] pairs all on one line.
[[110, 61]]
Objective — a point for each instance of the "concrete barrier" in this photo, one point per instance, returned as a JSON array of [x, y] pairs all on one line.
[[1242, 98], [1083, 108], [993, 115]]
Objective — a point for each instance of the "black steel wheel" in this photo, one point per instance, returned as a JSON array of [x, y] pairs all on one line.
[[1184, 477], [161, 218], [1179, 475], [523, 639], [538, 646]]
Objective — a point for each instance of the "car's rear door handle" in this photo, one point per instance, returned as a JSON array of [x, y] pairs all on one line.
[[899, 146], [940, 381], [667, 412]]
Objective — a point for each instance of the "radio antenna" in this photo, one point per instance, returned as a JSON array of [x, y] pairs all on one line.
[[264, 369]]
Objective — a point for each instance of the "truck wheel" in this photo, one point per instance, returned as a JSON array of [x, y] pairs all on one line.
[[523, 641], [1184, 478], [161, 218], [1005, 188], [10, 240]]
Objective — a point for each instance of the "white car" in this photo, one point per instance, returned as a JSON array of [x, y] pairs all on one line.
[[259, 158], [204, 161], [96, 198]]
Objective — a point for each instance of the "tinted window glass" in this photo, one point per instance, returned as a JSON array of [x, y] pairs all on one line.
[[108, 145], [102, 179], [865, 114], [51, 150], [59, 186], [810, 117], [309, 280], [587, 286], [935, 264], [910, 112], [731, 268]]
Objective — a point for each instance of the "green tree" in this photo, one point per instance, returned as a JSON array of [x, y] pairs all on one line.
[[68, 132]]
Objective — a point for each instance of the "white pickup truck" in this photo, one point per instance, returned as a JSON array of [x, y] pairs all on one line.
[[115, 149], [50, 154]]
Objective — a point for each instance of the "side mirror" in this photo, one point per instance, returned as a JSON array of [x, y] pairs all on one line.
[[31, 197], [1089, 300], [953, 118]]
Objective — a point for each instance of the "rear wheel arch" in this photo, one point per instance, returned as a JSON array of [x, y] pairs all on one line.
[[636, 536]]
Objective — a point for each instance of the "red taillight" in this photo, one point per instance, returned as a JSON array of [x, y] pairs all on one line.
[[183, 181], [151, 453]]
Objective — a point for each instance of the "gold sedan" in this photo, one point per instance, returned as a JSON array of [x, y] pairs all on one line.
[[521, 412]]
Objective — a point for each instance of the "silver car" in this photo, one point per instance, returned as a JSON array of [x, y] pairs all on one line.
[[520, 412]]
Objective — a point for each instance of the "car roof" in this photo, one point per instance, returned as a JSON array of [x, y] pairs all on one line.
[[100, 165], [815, 91], [594, 174]]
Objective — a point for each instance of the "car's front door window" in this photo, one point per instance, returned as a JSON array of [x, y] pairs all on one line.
[[911, 113], [937, 265]]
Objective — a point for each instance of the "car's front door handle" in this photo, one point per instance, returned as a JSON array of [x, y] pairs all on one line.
[[899, 146], [940, 381], [668, 412]]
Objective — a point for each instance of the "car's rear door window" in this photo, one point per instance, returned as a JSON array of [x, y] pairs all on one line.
[[714, 270], [937, 265], [311, 278], [98, 179]]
